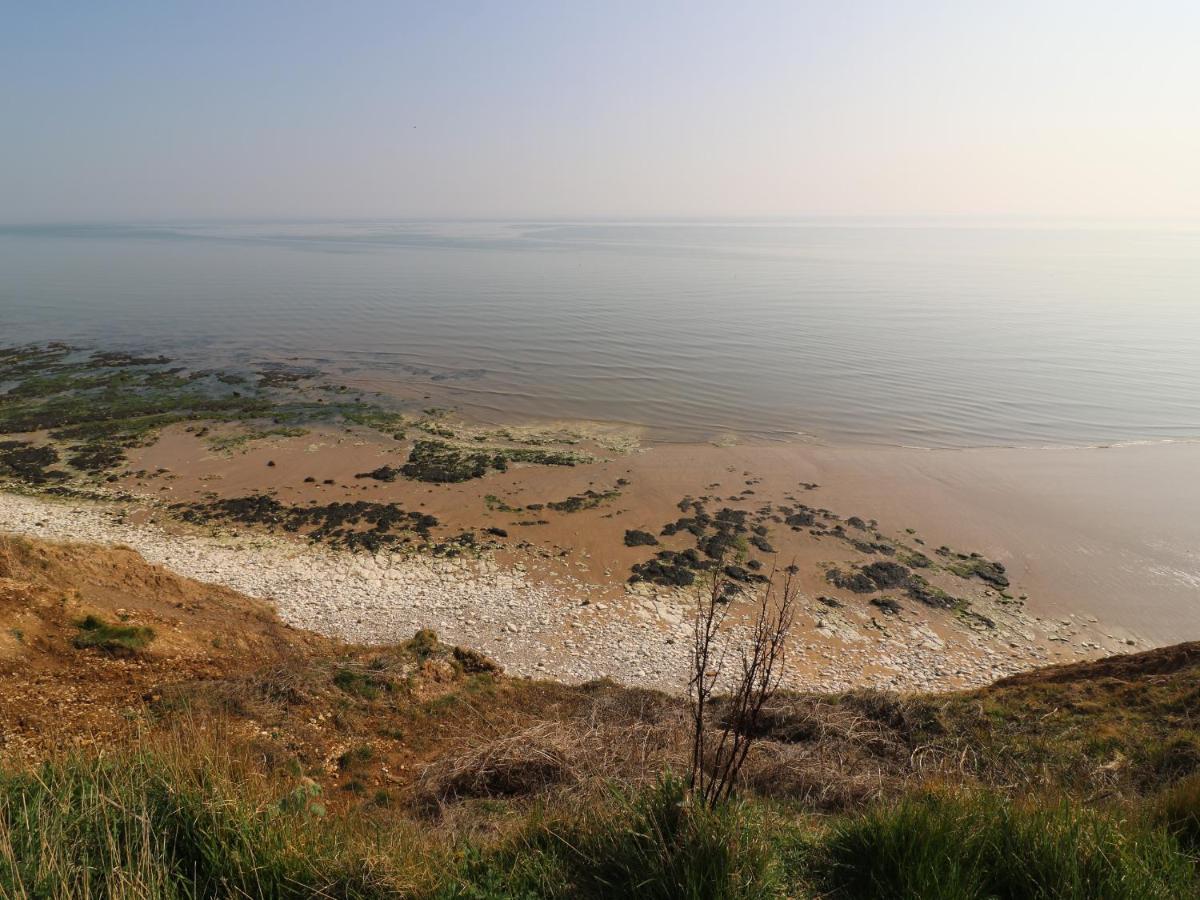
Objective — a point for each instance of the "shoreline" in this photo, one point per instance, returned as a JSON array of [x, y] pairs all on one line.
[[532, 629], [576, 545]]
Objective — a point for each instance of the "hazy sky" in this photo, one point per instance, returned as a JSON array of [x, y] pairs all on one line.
[[571, 108]]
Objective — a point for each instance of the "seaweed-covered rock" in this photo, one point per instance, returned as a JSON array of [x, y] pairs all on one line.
[[741, 575], [801, 519], [337, 524], [887, 574], [664, 573], [762, 543], [441, 463], [889, 605], [850, 581], [383, 473], [30, 464], [589, 499], [96, 457], [924, 592], [985, 570], [637, 538]]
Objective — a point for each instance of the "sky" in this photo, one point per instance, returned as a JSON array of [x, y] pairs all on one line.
[[598, 108]]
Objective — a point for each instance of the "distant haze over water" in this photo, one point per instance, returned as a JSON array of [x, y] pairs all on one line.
[[921, 333]]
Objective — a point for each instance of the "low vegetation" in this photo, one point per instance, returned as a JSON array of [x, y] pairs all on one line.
[[234, 756], [119, 640], [194, 815]]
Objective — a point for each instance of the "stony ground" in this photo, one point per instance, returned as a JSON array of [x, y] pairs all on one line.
[[531, 626]]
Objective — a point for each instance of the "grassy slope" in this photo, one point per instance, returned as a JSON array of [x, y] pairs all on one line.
[[232, 755]]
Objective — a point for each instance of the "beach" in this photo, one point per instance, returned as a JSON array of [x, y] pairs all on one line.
[[579, 549], [1094, 565]]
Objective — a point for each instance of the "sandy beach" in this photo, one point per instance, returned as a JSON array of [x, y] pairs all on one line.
[[577, 549], [1095, 564], [1101, 532]]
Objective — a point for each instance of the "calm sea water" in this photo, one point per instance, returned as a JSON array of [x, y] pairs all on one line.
[[921, 333]]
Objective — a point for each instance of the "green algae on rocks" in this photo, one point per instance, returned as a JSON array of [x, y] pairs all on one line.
[[589, 499], [440, 462], [26, 462], [358, 525]]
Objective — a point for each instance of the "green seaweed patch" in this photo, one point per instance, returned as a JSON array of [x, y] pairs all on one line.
[[589, 499], [885, 575], [916, 559], [932, 595], [112, 401], [441, 462], [877, 576], [742, 575], [383, 420], [359, 525], [496, 504], [672, 568], [538, 456], [110, 409], [96, 457], [975, 566], [850, 581], [284, 376], [239, 440]]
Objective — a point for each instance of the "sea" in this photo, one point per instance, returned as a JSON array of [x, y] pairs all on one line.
[[925, 333]]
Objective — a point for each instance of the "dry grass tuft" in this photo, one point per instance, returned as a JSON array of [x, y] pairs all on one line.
[[580, 752]]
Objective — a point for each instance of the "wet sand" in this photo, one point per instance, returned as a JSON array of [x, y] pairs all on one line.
[[1108, 532], [1105, 539]]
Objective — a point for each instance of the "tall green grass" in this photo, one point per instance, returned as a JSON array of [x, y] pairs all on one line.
[[655, 845], [167, 825], [1177, 809], [979, 845], [199, 817]]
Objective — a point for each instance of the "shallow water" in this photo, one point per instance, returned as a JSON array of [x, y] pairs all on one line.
[[925, 334]]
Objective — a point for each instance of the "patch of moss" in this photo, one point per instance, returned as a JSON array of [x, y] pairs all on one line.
[[423, 644], [117, 640], [240, 439], [366, 685]]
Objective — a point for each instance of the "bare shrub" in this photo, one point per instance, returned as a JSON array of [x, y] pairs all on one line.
[[719, 754]]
